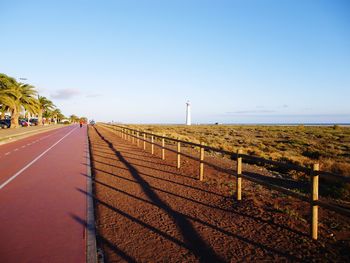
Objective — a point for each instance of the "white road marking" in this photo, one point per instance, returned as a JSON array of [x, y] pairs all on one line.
[[33, 142], [32, 162], [15, 150]]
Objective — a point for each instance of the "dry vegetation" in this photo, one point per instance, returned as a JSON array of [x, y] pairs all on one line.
[[302, 145]]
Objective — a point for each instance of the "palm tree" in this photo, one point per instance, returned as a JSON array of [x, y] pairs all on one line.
[[18, 97], [73, 118], [60, 117], [8, 94], [57, 115], [44, 105], [28, 100], [48, 116]]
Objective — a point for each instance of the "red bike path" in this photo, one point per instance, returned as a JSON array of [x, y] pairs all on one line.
[[42, 205]]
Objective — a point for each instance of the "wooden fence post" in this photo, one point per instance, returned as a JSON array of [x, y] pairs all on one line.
[[239, 176], [201, 164], [138, 138], [152, 145], [314, 198], [132, 137], [144, 141], [178, 155], [163, 150]]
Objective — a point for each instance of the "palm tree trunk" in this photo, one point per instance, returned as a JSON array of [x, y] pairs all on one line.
[[14, 119], [40, 117]]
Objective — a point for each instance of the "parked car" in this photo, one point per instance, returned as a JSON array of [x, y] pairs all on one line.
[[5, 123], [92, 122], [33, 122], [24, 122]]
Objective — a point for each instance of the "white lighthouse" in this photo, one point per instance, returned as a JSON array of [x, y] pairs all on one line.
[[188, 113]]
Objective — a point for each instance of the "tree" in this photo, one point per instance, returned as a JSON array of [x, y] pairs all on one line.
[[73, 118], [18, 97], [28, 99], [7, 94], [57, 115], [44, 105], [48, 116]]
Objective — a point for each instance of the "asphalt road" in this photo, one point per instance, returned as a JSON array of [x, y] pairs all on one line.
[[42, 208]]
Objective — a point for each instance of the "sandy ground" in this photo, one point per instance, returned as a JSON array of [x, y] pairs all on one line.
[[147, 210]]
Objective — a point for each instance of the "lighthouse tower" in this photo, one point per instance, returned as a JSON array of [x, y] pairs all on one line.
[[188, 113]]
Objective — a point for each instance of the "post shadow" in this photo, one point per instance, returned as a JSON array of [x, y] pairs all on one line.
[[150, 167], [168, 180], [241, 238], [192, 239], [176, 241], [104, 241], [255, 218], [163, 191]]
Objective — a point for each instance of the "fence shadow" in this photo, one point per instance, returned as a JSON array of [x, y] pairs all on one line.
[[192, 239], [102, 240], [122, 254]]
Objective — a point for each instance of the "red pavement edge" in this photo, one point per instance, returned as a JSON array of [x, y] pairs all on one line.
[[91, 250]]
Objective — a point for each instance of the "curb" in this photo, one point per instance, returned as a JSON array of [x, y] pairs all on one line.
[[91, 251], [18, 136]]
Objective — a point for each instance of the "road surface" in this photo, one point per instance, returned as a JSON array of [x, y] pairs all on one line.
[[42, 206], [11, 135]]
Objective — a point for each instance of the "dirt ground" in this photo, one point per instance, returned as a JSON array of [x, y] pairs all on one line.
[[147, 210]]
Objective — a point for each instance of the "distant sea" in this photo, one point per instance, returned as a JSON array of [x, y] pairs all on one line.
[[250, 124], [289, 124]]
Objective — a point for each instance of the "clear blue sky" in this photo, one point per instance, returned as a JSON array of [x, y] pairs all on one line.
[[140, 61]]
